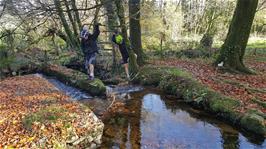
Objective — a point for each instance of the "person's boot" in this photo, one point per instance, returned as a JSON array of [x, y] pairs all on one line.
[[91, 77]]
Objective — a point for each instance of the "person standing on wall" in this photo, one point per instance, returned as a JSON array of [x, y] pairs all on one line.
[[119, 40], [89, 48]]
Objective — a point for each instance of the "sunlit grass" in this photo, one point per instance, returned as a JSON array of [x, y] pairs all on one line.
[[254, 42]]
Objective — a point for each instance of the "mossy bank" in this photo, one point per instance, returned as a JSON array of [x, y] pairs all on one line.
[[76, 78], [179, 83]]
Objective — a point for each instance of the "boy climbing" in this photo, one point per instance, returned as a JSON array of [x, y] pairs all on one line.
[[119, 40], [89, 48]]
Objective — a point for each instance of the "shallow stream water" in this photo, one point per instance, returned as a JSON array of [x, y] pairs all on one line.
[[159, 122]]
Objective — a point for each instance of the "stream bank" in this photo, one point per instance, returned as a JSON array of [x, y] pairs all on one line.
[[180, 84], [36, 114], [137, 119]]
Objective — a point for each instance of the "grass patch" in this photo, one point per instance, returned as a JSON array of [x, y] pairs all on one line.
[[257, 44], [258, 47], [46, 115], [150, 75], [177, 72]]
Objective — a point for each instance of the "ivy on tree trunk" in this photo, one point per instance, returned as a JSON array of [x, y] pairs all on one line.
[[233, 50]]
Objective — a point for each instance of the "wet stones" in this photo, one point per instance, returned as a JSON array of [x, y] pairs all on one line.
[[87, 132]]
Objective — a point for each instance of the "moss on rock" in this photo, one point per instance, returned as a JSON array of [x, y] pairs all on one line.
[[254, 123], [225, 106], [174, 85], [150, 75], [95, 87], [221, 104]]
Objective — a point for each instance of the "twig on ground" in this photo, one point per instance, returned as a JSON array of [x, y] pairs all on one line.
[[112, 96]]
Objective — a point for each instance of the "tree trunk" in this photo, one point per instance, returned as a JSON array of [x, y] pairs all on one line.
[[77, 18], [121, 15], [96, 14], [135, 30], [161, 46], [73, 43], [206, 41], [133, 66], [112, 23], [73, 23], [211, 27], [233, 49]]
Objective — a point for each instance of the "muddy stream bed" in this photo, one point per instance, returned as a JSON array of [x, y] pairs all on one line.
[[146, 118]]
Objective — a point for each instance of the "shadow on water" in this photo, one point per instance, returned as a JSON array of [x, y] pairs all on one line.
[[157, 122]]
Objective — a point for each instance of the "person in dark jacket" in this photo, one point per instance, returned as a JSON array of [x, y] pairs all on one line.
[[119, 40], [89, 48]]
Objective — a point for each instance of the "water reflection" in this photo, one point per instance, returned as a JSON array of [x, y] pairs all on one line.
[[157, 123]]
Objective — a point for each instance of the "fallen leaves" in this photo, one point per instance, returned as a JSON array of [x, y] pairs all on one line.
[[33, 101], [242, 87]]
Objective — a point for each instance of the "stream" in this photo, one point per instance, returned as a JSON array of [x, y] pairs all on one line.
[[155, 121]]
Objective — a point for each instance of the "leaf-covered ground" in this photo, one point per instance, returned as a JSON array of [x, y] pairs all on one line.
[[249, 89], [34, 114]]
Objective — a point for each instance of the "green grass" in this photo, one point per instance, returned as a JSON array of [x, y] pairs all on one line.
[[46, 115], [260, 46], [178, 72], [256, 44], [253, 43], [256, 48]]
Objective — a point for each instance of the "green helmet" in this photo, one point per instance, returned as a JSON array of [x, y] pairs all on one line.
[[119, 39]]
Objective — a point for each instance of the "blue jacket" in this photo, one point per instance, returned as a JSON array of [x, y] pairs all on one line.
[[89, 45]]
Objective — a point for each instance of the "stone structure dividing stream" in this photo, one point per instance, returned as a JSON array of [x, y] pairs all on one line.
[[76, 78]]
